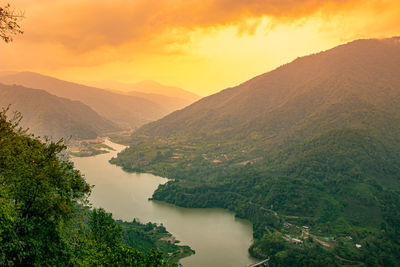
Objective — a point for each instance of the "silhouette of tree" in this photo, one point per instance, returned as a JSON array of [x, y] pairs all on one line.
[[9, 23]]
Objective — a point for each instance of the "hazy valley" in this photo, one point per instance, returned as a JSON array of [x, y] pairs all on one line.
[[55, 117], [128, 111]]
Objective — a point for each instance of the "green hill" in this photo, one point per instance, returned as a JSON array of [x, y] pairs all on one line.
[[313, 143]]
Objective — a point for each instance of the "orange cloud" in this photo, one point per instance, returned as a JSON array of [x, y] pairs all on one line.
[[86, 25], [162, 38]]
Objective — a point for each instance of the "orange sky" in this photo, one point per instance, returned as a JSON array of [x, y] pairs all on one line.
[[200, 45]]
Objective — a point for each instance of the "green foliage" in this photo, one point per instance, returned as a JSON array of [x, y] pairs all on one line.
[[343, 183], [282, 253], [42, 191], [103, 229], [43, 218], [146, 237], [96, 240]]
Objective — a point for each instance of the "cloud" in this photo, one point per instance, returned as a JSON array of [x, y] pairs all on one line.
[[82, 26], [66, 34]]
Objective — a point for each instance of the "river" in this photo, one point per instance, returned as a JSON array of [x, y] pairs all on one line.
[[218, 238]]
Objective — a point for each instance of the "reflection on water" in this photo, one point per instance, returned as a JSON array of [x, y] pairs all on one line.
[[218, 238]]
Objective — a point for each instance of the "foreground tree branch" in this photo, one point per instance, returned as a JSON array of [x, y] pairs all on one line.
[[9, 23]]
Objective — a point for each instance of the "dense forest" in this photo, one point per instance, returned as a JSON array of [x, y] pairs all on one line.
[[309, 153], [46, 219], [342, 185]]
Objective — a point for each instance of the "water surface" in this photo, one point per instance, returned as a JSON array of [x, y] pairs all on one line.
[[218, 238]]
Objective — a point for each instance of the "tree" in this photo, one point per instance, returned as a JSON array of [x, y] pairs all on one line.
[[39, 192], [103, 228], [9, 23], [43, 217]]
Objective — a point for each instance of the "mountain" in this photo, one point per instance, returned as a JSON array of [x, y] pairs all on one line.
[[128, 111], [169, 103], [157, 88], [308, 152], [168, 97], [6, 73], [296, 94], [48, 115], [149, 87]]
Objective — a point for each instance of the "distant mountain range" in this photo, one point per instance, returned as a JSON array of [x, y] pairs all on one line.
[[314, 143], [147, 87], [168, 97], [48, 115], [128, 110]]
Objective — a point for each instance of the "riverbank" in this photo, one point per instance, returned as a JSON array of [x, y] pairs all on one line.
[[142, 236], [146, 237], [218, 238]]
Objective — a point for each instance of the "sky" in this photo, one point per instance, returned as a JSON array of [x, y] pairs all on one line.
[[203, 46]]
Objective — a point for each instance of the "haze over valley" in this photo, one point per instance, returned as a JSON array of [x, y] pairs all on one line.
[[128, 111], [55, 117]]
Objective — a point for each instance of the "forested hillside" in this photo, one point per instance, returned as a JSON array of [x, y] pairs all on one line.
[[296, 95], [45, 219], [308, 152]]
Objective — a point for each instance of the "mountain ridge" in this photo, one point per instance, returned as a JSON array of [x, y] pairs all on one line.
[[149, 87], [48, 115], [128, 111], [168, 97], [245, 106]]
